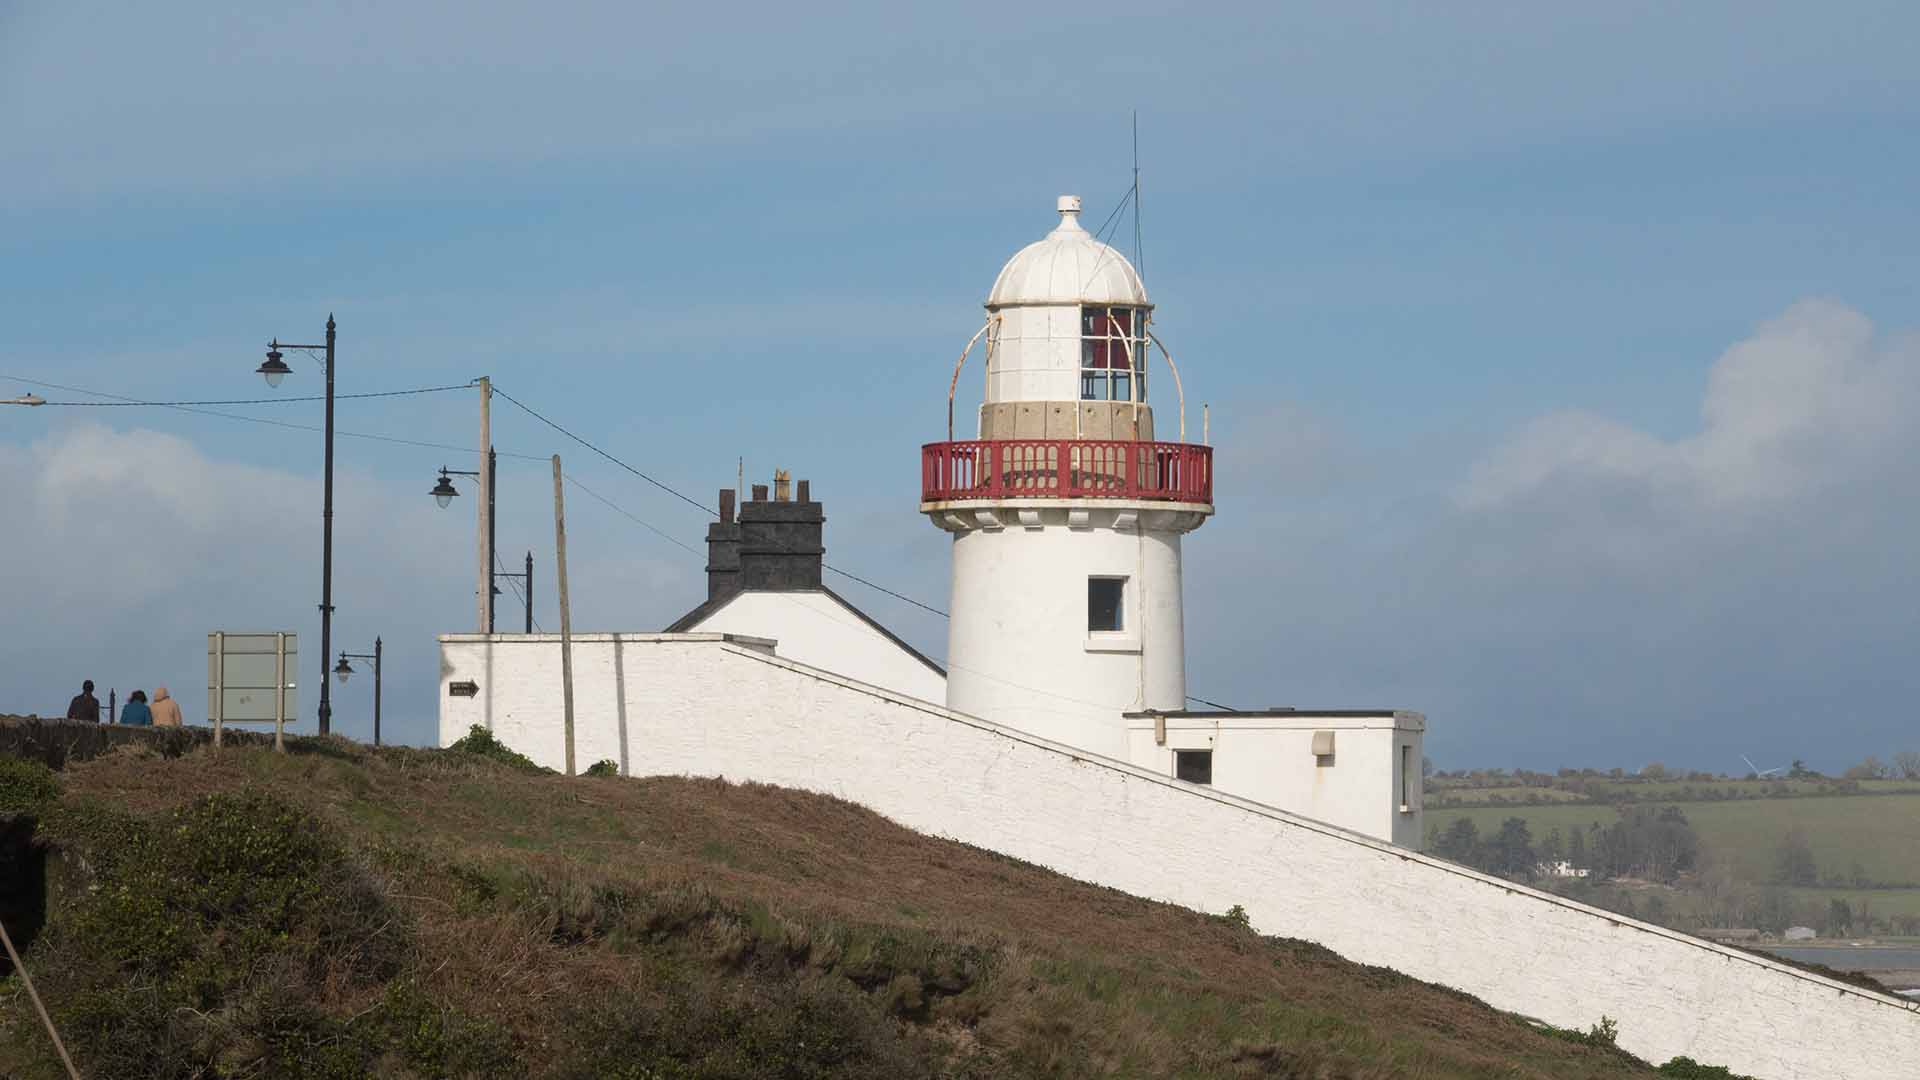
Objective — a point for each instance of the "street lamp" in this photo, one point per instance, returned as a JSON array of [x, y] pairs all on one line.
[[344, 669], [444, 493], [274, 370]]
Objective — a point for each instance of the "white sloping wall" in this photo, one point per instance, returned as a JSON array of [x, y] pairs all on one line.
[[671, 704]]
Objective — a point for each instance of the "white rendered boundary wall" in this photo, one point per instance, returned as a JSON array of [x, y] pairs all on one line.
[[702, 705]]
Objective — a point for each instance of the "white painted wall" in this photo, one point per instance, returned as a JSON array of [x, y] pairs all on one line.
[[815, 629], [1018, 648], [1269, 759], [670, 704]]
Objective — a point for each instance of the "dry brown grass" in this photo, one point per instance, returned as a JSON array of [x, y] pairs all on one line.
[[586, 918]]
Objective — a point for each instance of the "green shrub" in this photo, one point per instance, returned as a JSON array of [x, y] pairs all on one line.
[[1689, 1069], [604, 767], [25, 785], [211, 931], [481, 743]]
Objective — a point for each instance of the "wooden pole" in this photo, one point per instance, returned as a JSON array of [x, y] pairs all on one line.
[[566, 615], [27, 981], [280, 692], [219, 686]]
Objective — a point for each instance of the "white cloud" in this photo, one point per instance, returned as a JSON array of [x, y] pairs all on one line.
[[1587, 591]]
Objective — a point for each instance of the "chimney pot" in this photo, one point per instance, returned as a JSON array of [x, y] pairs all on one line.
[[759, 493], [805, 494], [726, 505]]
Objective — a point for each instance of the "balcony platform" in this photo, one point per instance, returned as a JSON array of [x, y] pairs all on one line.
[[999, 470]]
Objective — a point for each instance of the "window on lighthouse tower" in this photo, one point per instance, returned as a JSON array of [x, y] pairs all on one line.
[[1106, 605], [1113, 354]]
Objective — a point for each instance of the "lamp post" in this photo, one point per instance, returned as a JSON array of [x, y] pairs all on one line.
[[526, 594], [444, 493], [344, 669], [274, 370]]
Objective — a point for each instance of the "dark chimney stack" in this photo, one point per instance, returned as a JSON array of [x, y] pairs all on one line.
[[774, 545], [723, 551]]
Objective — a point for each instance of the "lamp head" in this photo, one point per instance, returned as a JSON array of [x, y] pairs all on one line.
[[343, 669], [275, 369], [444, 491]]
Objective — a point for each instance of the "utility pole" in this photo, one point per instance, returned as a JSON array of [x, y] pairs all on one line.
[[566, 616], [485, 586], [529, 594], [493, 537]]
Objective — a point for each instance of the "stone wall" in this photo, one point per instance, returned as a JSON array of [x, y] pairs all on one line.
[[665, 704], [54, 742]]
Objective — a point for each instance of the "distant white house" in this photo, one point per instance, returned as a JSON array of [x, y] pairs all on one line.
[[1560, 868], [1800, 933]]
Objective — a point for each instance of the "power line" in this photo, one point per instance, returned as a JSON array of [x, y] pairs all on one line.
[[194, 407], [523, 407], [119, 402], [616, 508], [690, 501], [186, 408], [889, 592]]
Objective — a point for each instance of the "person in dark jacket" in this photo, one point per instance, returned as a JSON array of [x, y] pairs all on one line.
[[84, 707], [135, 712]]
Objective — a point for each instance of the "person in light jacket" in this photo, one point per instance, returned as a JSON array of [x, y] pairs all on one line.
[[166, 711], [135, 712]]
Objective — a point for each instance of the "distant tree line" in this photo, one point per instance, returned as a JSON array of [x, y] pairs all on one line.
[[1648, 843]]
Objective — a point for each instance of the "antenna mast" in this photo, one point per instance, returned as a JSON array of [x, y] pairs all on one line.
[[1139, 255]]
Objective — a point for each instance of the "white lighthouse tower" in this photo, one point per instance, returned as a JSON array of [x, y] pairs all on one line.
[[1067, 515]]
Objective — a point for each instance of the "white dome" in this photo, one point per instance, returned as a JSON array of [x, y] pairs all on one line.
[[1068, 267]]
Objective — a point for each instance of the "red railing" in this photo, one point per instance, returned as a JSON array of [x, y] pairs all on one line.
[[1066, 469]]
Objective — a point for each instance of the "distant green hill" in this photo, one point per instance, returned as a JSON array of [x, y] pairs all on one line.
[[340, 912], [1879, 833]]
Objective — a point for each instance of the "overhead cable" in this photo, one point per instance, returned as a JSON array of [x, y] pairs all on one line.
[[127, 402], [523, 407]]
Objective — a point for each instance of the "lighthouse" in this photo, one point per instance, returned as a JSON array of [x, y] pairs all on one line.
[[1067, 511]]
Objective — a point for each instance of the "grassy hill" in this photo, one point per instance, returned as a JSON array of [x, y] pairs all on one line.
[[342, 912]]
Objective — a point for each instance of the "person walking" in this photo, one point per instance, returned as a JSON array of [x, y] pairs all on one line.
[[84, 707], [135, 712], [165, 710]]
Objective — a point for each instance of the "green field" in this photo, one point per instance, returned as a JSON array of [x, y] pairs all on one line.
[[1444, 792], [1881, 833]]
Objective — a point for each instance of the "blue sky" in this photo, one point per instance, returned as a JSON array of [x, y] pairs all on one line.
[[1561, 360]]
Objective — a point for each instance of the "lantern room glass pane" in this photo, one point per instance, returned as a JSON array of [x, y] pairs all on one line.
[[1113, 353]]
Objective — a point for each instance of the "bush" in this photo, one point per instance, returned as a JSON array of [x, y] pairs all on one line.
[[25, 785], [604, 767], [209, 932], [481, 743], [1689, 1069]]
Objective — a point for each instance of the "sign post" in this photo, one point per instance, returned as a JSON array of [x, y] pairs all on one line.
[[249, 680]]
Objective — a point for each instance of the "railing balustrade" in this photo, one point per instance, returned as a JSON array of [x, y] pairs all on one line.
[[1066, 469]]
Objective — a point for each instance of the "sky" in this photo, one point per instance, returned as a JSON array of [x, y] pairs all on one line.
[[1561, 359]]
